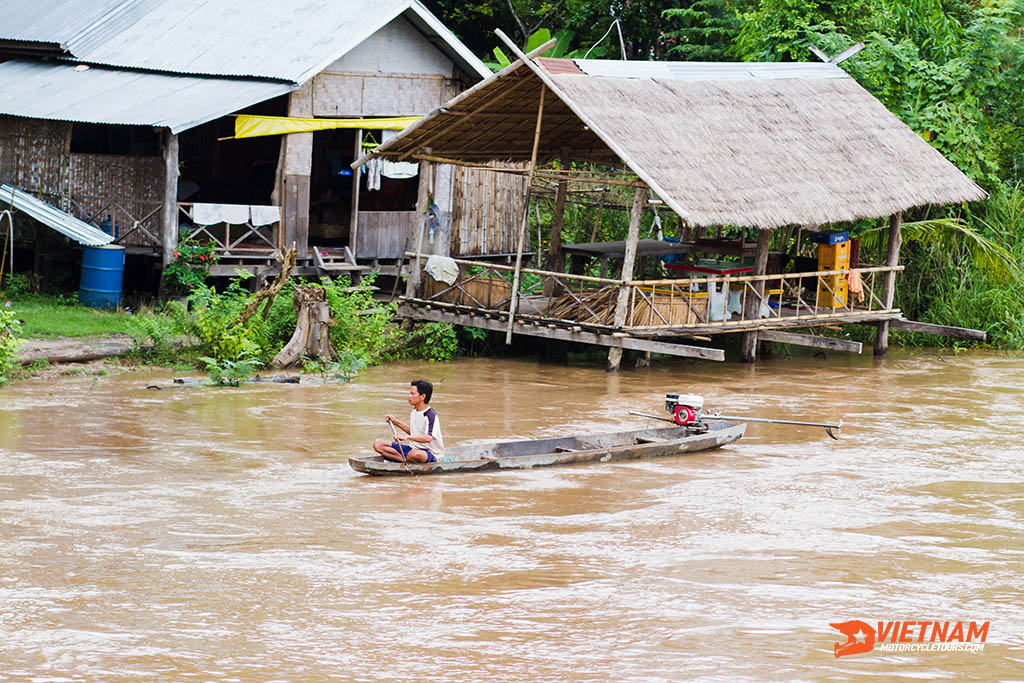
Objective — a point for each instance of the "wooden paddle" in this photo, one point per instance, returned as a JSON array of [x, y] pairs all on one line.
[[398, 440]]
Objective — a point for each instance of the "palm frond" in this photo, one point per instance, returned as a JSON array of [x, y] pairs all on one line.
[[953, 234]]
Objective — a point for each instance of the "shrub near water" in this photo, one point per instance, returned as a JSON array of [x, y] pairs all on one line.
[[363, 331], [9, 327]]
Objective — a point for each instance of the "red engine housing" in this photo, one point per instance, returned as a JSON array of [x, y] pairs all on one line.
[[684, 415]]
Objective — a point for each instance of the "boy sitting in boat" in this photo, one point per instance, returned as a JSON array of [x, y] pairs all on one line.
[[424, 428]]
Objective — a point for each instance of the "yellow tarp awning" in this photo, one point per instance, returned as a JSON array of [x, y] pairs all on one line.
[[247, 126]]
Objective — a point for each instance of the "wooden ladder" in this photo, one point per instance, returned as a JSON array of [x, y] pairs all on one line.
[[331, 261]]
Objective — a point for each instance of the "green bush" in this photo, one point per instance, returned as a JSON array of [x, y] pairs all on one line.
[[213, 319], [342, 369], [15, 285], [9, 328], [361, 326], [229, 373]]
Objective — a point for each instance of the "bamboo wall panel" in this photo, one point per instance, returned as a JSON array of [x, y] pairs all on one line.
[[339, 94], [34, 157], [384, 234], [128, 188], [487, 208]]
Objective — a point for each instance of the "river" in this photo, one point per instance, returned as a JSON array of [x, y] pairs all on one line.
[[219, 534]]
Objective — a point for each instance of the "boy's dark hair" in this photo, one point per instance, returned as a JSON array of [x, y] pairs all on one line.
[[425, 388]]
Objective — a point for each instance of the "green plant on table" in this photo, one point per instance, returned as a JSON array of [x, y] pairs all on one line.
[[191, 264]]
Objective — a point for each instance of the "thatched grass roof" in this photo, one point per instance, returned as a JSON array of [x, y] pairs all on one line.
[[760, 145]]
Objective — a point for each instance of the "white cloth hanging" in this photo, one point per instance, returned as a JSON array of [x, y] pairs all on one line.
[[235, 214], [206, 214], [442, 269], [264, 215], [397, 169], [373, 169]]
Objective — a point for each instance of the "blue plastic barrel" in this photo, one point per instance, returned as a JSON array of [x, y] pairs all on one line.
[[102, 276]]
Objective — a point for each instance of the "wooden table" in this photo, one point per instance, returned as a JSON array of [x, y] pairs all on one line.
[[617, 250]]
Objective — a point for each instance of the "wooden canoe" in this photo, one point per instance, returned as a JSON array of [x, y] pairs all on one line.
[[566, 450]]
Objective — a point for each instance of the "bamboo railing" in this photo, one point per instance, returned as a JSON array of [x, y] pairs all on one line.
[[660, 307]]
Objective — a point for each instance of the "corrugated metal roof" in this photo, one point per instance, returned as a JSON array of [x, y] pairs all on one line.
[[709, 71], [52, 21], [45, 90], [64, 223], [289, 40]]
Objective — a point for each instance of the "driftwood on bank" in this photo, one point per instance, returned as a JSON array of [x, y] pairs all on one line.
[[312, 329], [75, 350]]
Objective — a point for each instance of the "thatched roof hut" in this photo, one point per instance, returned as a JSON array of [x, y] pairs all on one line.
[[749, 144]]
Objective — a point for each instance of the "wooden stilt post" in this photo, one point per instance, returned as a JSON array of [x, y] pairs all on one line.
[[353, 230], [556, 259], [892, 258], [752, 307], [526, 219], [169, 206], [412, 284], [628, 261]]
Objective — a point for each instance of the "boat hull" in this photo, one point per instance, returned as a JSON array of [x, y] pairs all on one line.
[[570, 450]]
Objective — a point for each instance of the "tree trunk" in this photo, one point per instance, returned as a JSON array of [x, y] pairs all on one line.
[[312, 329]]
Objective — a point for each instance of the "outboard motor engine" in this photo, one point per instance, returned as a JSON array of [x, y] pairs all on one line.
[[685, 408]]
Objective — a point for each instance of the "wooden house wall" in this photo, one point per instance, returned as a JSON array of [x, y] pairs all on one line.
[[487, 209], [128, 188], [34, 156], [385, 234]]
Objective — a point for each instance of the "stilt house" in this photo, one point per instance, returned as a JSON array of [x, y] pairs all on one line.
[[771, 146], [117, 112]]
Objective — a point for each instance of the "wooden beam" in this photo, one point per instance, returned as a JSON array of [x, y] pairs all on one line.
[[628, 262], [526, 219], [892, 257], [809, 340], [942, 330], [854, 317], [561, 334], [752, 304]]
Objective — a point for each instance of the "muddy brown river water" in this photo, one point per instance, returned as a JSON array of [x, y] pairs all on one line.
[[219, 534]]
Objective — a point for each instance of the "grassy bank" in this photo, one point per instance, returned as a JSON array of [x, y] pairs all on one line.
[[59, 316]]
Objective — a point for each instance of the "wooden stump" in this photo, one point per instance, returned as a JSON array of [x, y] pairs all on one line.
[[312, 336]]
